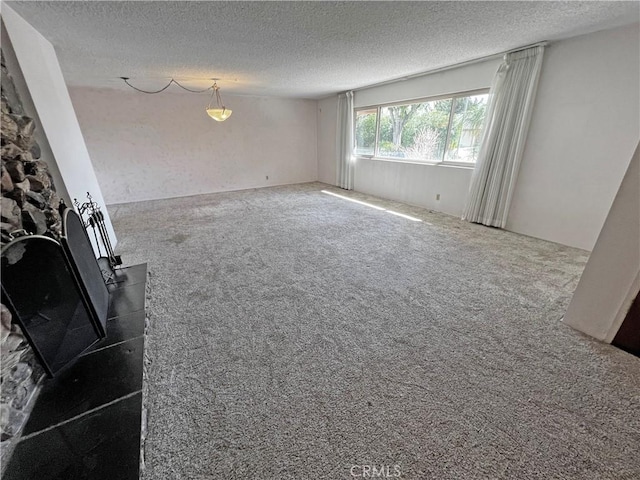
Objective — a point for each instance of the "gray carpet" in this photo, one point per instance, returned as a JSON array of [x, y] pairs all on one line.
[[295, 335]]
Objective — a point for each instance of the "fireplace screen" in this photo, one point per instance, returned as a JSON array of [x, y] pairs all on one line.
[[83, 261], [40, 287]]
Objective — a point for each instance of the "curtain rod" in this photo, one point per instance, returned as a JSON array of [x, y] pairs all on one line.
[[450, 67]]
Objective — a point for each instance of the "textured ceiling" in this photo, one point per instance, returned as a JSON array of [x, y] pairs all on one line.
[[297, 49]]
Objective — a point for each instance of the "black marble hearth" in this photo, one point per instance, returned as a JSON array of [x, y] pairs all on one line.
[[86, 421]]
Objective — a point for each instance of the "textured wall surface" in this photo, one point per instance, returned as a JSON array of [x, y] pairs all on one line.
[[161, 146]]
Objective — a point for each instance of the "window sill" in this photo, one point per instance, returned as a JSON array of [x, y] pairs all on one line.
[[418, 162]]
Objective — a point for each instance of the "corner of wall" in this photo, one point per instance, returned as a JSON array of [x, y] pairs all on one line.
[[327, 124], [49, 95], [611, 278]]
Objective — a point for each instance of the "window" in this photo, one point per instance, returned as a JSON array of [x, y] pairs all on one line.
[[366, 131], [440, 130]]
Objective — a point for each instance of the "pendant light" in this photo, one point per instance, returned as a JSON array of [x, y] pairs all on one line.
[[220, 113]]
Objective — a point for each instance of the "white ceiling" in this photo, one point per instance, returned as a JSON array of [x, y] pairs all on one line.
[[298, 49]]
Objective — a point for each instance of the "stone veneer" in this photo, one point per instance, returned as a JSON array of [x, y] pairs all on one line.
[[29, 204]]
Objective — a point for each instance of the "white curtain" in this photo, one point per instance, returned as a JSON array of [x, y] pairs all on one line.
[[345, 145], [505, 132]]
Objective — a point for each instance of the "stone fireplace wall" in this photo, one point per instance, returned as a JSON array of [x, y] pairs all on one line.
[[29, 205]]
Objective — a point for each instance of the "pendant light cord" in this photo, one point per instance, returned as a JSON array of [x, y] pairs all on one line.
[[216, 91], [126, 80]]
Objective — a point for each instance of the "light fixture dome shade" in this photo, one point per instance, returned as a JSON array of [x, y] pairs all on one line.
[[219, 114]]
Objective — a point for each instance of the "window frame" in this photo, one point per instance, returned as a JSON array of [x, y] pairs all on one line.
[[378, 109]]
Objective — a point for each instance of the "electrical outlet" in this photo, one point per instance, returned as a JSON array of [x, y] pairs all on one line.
[[437, 196]]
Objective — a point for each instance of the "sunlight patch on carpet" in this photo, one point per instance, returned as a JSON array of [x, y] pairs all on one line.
[[398, 214]]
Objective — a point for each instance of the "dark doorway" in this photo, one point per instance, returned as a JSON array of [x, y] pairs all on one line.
[[628, 337]]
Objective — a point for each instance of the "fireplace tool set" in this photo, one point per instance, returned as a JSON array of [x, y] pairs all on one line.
[[95, 221]]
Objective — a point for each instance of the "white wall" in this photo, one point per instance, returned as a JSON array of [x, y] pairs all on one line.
[[327, 141], [43, 77], [584, 129], [161, 146], [46, 154], [454, 80], [415, 184], [611, 279]]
